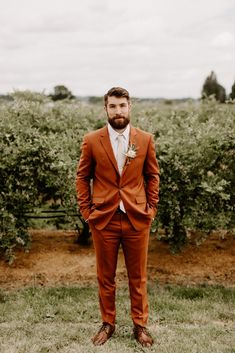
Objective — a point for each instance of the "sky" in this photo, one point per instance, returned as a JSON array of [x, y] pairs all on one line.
[[152, 48]]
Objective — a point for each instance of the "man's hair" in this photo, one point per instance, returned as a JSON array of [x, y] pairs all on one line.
[[118, 92]]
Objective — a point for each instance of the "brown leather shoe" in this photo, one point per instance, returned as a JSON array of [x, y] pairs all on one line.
[[143, 336], [104, 333]]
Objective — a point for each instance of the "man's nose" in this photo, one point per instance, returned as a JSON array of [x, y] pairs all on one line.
[[118, 110]]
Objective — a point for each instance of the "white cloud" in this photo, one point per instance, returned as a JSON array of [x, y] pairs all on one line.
[[223, 39]]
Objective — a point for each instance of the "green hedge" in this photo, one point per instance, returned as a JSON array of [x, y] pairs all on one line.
[[40, 147]]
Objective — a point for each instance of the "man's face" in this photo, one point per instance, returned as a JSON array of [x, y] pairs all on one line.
[[118, 112]]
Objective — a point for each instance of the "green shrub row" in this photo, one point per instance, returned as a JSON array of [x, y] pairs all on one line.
[[196, 151], [40, 147]]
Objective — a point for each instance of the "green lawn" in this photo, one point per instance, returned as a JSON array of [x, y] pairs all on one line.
[[182, 319]]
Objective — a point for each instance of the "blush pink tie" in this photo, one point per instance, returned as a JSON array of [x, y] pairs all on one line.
[[120, 153], [121, 161]]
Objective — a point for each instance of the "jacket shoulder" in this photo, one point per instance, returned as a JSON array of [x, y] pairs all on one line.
[[143, 133], [95, 133]]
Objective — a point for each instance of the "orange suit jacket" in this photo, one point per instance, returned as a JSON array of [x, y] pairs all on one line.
[[137, 187]]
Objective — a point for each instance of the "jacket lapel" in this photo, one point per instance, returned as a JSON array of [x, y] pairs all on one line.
[[132, 140], [105, 141]]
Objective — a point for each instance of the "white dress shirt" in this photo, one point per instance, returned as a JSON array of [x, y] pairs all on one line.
[[114, 142]]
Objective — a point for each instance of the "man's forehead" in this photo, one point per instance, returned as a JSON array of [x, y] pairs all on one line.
[[117, 100]]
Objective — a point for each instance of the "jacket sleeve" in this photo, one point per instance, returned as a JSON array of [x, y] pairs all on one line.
[[151, 176], [83, 178]]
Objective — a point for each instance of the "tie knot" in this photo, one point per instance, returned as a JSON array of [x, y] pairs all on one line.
[[120, 136]]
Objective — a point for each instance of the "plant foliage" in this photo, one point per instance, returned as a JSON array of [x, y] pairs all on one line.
[[40, 148]]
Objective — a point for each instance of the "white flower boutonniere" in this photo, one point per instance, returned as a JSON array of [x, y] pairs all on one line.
[[131, 152]]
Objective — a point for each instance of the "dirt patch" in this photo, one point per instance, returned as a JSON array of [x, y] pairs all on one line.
[[55, 259]]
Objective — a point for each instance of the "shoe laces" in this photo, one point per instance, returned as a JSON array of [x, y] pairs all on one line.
[[139, 329], [105, 327]]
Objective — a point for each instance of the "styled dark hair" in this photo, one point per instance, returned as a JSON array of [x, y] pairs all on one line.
[[116, 92]]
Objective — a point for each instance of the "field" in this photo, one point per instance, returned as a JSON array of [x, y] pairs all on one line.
[[63, 319], [48, 295]]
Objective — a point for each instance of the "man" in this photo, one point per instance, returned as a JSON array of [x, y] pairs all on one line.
[[119, 208]]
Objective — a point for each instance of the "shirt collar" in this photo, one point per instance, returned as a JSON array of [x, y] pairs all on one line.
[[113, 133]]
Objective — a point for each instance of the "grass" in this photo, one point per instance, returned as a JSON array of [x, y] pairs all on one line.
[[182, 319]]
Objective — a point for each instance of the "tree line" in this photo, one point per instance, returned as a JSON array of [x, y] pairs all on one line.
[[212, 87]]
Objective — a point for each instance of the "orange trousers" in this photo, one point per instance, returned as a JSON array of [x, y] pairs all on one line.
[[134, 244]]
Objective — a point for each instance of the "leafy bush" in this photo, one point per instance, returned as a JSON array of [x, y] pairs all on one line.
[[39, 150], [196, 152], [40, 147]]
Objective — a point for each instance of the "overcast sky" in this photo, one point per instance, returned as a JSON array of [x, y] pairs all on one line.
[[153, 48]]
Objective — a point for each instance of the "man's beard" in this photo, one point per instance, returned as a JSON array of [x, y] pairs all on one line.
[[119, 122]]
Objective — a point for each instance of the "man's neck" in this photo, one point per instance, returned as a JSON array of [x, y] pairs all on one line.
[[120, 131]]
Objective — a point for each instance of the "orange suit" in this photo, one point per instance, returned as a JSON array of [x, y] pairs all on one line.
[[138, 188]]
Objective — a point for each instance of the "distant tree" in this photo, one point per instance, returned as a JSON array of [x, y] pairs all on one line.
[[221, 94], [211, 87], [5, 98], [61, 92], [232, 94], [95, 100]]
